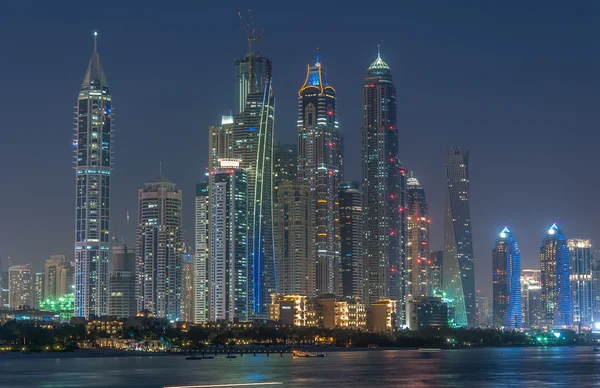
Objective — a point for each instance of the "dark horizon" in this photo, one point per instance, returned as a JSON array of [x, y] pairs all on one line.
[[515, 85]]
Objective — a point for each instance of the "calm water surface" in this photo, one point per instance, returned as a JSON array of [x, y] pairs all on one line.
[[516, 367]]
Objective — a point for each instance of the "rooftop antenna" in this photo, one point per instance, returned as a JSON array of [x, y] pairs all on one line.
[[317, 56], [160, 169], [378, 52], [95, 36]]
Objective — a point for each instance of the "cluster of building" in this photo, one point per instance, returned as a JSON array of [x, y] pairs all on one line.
[[564, 292]]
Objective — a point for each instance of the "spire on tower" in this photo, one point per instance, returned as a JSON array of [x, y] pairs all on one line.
[[378, 52], [95, 36]]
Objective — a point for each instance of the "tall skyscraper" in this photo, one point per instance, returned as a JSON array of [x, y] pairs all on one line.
[[253, 74], [3, 286], [417, 237], [506, 282], [92, 146], [459, 278], [159, 249], [285, 165], [580, 251], [351, 236], [188, 308], [555, 274], [220, 142], [38, 290], [435, 268], [20, 286], [596, 287], [294, 223], [58, 277], [253, 144], [382, 188], [320, 167], [228, 268], [531, 297], [201, 252], [121, 283]]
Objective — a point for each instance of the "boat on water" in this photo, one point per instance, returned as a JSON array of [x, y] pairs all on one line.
[[300, 353], [195, 357], [429, 350]]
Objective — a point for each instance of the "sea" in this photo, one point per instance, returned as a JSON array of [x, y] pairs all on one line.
[[477, 367]]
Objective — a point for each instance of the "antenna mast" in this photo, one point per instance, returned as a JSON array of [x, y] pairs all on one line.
[[252, 36]]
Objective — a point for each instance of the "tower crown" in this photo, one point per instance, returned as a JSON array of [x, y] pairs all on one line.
[[379, 63]]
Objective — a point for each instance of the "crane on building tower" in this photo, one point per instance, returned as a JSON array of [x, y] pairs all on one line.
[[252, 36]]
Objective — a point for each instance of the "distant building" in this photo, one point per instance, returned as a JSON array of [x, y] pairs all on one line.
[[3, 288], [121, 283], [426, 311], [38, 290], [58, 277], [596, 289], [220, 142], [531, 298], [434, 273], [381, 316], [582, 293], [417, 239], [159, 249], [288, 309], [484, 311], [20, 287], [285, 165], [351, 236], [506, 282], [201, 250], [555, 263], [187, 295]]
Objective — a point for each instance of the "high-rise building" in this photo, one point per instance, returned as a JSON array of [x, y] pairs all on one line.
[[3, 286], [382, 189], [555, 273], [58, 277], [294, 223], [434, 273], [253, 74], [459, 276], [417, 239], [351, 237], [188, 291], [596, 287], [92, 146], [159, 249], [580, 251], [253, 144], [484, 310], [285, 165], [201, 252], [506, 282], [228, 269], [531, 297], [38, 290], [320, 167], [20, 286], [121, 283], [220, 142]]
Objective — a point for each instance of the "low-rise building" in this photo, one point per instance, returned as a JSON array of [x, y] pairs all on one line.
[[381, 316], [426, 311]]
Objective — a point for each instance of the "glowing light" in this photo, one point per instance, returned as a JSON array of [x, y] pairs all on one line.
[[95, 33], [557, 334], [597, 325]]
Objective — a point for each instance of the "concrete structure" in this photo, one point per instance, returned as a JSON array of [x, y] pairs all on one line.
[[435, 266], [159, 249], [92, 149], [220, 142], [188, 306], [582, 291], [121, 283], [351, 237], [426, 311], [20, 287], [38, 290], [381, 316], [531, 298], [58, 277], [201, 252], [417, 236], [289, 309]]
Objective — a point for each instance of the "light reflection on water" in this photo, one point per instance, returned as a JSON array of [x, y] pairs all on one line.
[[499, 367]]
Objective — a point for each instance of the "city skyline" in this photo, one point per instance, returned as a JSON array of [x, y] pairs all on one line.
[[527, 224]]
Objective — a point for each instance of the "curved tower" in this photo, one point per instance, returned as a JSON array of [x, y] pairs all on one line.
[[320, 167], [506, 266], [92, 143], [555, 271], [383, 197]]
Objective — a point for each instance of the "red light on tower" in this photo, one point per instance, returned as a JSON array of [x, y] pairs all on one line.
[[402, 171]]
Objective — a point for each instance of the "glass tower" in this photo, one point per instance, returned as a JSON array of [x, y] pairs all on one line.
[[580, 251], [555, 273], [351, 236], [382, 184], [506, 266], [417, 239], [92, 145], [320, 167], [459, 279], [252, 74]]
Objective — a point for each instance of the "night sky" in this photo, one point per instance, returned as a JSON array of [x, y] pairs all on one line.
[[514, 82]]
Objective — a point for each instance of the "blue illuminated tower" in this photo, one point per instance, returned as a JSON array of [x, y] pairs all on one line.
[[555, 274], [92, 144], [506, 266]]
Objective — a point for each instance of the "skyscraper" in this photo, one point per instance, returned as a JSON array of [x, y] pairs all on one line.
[[506, 282], [253, 74], [220, 142], [188, 308], [555, 272], [351, 236], [580, 251], [20, 286], [228, 268], [92, 146], [320, 167], [459, 279], [294, 223], [434, 273], [58, 273], [201, 252], [382, 188], [531, 297], [121, 283], [417, 237], [285, 165], [159, 249], [38, 290]]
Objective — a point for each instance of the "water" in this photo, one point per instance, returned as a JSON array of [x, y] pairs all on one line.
[[497, 367]]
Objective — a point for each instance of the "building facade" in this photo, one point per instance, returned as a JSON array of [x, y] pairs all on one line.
[[121, 283], [220, 142], [531, 298], [582, 293], [20, 287], [38, 290], [417, 235], [92, 147], [555, 274], [435, 266], [320, 167], [351, 237], [506, 282], [159, 249], [188, 304], [253, 74], [228, 264], [459, 276], [201, 252], [426, 311]]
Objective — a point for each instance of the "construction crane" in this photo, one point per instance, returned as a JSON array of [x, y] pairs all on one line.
[[252, 36]]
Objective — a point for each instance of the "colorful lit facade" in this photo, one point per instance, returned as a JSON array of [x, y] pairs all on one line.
[[417, 237], [320, 167], [459, 275], [383, 194], [351, 237], [92, 147], [555, 271], [506, 282], [580, 251]]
